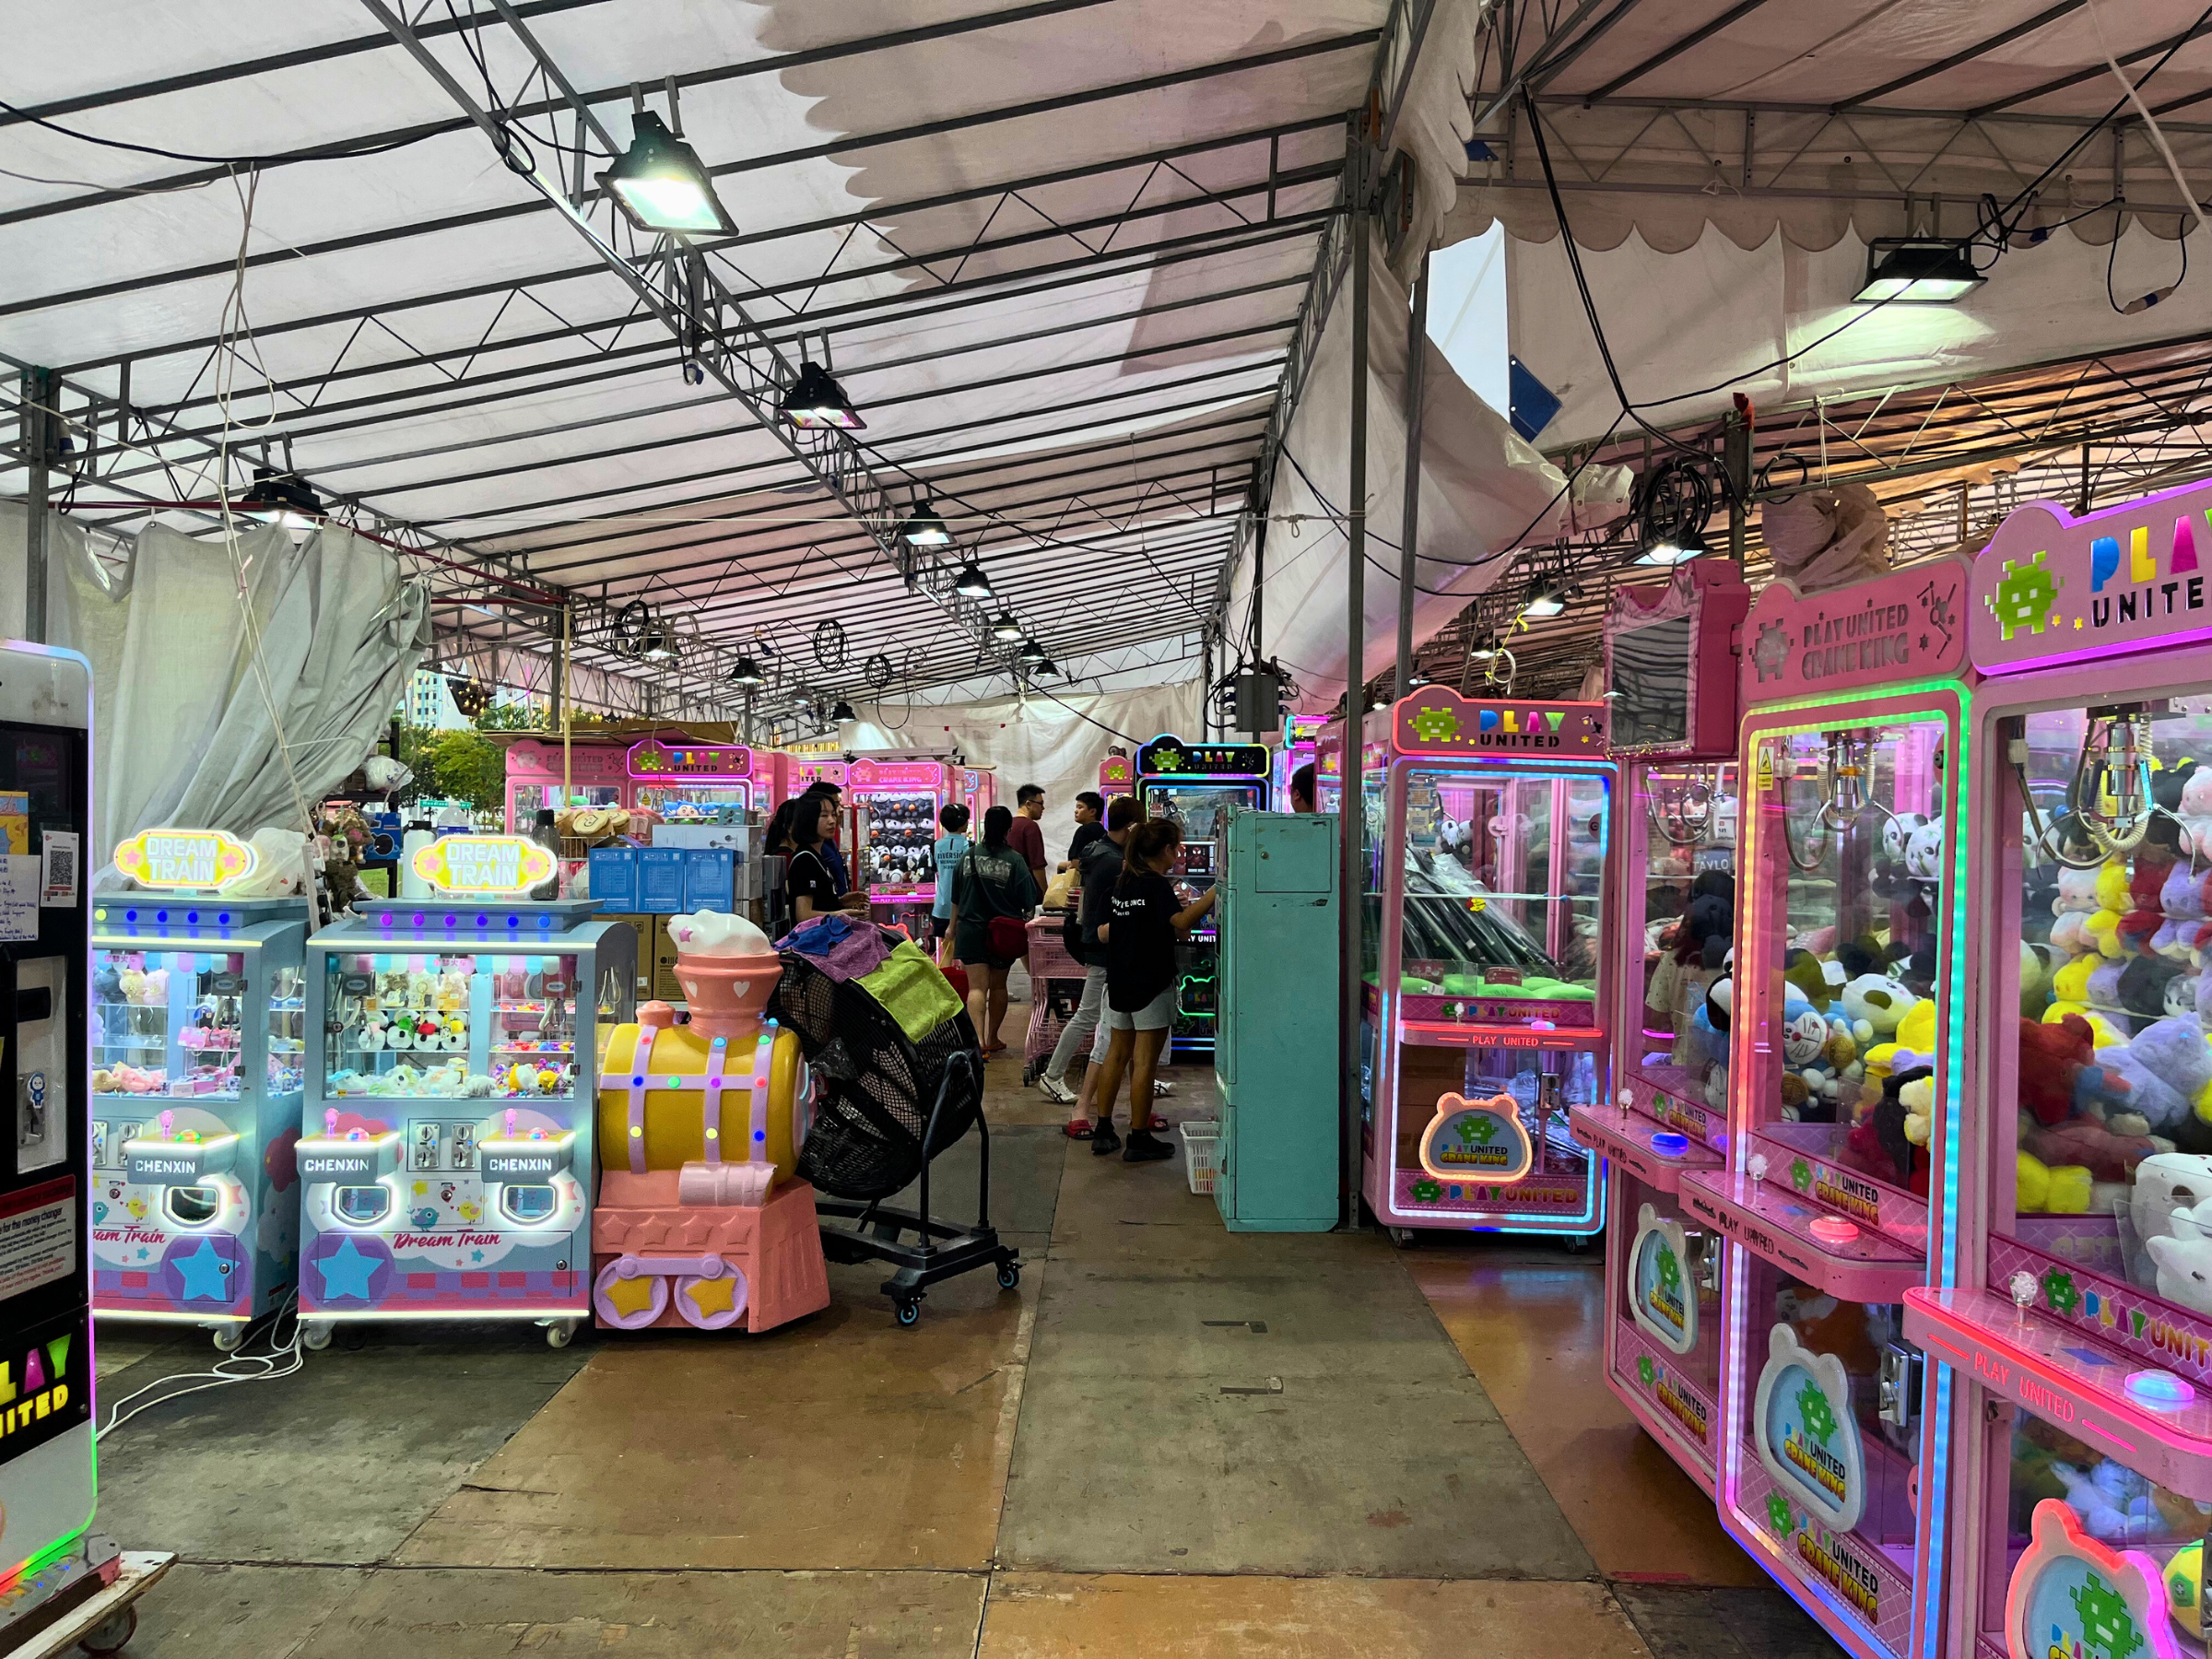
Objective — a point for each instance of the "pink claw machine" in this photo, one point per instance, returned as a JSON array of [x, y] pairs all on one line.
[[1117, 774], [1487, 825], [598, 775], [1844, 1060], [894, 804], [1672, 652], [678, 780], [2080, 1329]]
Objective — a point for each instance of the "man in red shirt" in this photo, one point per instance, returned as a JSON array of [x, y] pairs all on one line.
[[1025, 837]]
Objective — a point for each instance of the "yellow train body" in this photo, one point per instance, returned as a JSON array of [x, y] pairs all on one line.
[[674, 1126]]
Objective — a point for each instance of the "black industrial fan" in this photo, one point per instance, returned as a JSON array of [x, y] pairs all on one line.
[[884, 1106]]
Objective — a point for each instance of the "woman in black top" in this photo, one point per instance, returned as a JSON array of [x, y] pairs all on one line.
[[990, 880], [797, 834], [1144, 923]]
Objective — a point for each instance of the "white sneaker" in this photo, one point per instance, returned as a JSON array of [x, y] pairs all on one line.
[[1055, 1090], [1161, 1090]]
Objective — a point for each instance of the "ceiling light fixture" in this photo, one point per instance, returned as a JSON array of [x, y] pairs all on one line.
[[1031, 653], [1006, 631], [661, 184], [1918, 273], [284, 497], [748, 673], [843, 711], [815, 400], [1543, 602], [969, 581], [926, 529], [1674, 549]]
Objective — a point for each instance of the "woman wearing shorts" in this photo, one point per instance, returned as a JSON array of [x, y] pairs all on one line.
[[992, 880], [1140, 934]]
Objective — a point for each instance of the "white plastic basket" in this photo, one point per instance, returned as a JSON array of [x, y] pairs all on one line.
[[1201, 1154]]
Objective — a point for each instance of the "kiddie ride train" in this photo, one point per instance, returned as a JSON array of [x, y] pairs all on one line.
[[690, 1230]]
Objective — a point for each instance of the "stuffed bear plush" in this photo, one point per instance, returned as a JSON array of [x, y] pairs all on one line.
[[2195, 809], [2140, 923], [2059, 1077], [1873, 1002], [2181, 902], [1880, 1145], [2168, 837], [2169, 1072], [2093, 1146], [2041, 1189], [2143, 986], [1816, 980]]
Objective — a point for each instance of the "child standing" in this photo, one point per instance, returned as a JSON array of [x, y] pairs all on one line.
[[1144, 921]]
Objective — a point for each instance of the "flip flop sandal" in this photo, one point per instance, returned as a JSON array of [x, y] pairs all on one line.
[[1078, 1129]]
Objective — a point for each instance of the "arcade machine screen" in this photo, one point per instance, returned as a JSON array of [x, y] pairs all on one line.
[[1201, 811]]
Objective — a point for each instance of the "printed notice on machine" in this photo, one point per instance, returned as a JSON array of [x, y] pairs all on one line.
[[38, 1236], [59, 851], [19, 889]]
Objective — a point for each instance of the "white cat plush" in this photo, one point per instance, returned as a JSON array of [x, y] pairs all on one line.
[[2185, 1263], [718, 934]]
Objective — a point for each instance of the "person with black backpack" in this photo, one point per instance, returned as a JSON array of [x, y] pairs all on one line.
[[1100, 862], [993, 894]]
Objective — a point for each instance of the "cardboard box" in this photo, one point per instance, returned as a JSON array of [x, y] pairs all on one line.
[[660, 879], [614, 878], [709, 877]]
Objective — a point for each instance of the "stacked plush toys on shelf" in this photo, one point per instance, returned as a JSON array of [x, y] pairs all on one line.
[[700, 1220]]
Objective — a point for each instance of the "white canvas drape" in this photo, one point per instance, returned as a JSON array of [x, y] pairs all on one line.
[[189, 699]]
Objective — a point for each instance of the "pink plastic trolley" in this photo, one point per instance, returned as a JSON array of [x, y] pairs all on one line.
[[2079, 1330], [1671, 658]]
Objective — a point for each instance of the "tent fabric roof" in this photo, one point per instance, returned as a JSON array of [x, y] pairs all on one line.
[[1891, 117], [1054, 251]]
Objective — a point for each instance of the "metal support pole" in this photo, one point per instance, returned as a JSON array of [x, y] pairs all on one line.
[[1735, 459], [1205, 684], [558, 712], [37, 410], [1409, 521], [1350, 805]]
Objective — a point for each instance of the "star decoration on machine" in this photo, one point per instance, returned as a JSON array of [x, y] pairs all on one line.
[[204, 1274], [630, 1297], [347, 1271], [711, 1296]]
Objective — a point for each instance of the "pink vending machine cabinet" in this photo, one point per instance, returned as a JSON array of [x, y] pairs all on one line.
[[598, 775], [1117, 776], [1671, 652], [1843, 1063], [895, 805], [677, 780], [1486, 824], [2080, 1329]]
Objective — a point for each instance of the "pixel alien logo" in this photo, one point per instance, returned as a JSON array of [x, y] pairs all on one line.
[[1168, 760], [1813, 1410], [1435, 725], [1477, 1130], [1771, 653], [2024, 597], [2106, 1621]]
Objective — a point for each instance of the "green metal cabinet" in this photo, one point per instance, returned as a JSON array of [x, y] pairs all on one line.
[[1274, 1054]]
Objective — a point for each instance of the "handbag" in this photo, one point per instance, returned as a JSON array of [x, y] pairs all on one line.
[[1006, 935]]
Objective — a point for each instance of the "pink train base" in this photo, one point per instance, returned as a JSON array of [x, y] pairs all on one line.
[[644, 1230]]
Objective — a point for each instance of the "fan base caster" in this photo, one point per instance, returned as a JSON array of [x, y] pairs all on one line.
[[1009, 1275], [558, 1332], [314, 1334], [907, 1309], [229, 1339]]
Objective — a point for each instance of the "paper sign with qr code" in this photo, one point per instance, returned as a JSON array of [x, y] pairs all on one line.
[[59, 851]]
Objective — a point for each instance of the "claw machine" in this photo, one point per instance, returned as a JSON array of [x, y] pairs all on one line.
[[2078, 1332], [1296, 748], [1200, 787], [1671, 666], [894, 804], [597, 774], [1117, 774], [445, 1160], [681, 781], [50, 1559], [1845, 1055], [1487, 825], [199, 1044]]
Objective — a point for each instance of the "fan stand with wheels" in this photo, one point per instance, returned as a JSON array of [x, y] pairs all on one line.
[[870, 1138]]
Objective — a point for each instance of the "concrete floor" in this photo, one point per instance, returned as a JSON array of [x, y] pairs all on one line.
[[1116, 1459]]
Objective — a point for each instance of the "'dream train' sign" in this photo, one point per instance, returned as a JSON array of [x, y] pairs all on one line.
[[2050, 586]]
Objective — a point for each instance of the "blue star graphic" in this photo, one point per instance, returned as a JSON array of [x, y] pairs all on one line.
[[476, 1256], [346, 1271], [201, 1272], [142, 1253]]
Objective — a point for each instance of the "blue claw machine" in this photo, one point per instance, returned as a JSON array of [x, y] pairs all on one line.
[[1200, 787], [50, 1559], [198, 1042], [1277, 956], [445, 1157]]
